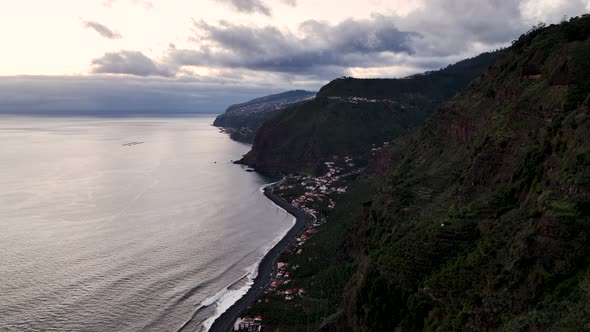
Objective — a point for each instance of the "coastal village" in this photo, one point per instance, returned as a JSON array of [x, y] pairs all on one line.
[[316, 196]]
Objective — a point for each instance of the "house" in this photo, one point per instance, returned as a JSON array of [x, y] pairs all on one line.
[[248, 324]]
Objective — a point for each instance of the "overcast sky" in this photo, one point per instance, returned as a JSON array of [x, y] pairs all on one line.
[[201, 55]]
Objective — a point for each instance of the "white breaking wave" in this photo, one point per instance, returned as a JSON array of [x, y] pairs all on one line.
[[225, 298]]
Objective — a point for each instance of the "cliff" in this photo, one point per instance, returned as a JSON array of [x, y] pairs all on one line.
[[242, 121], [482, 221], [349, 116], [479, 220]]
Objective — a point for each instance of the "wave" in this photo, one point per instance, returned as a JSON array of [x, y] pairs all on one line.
[[227, 297]]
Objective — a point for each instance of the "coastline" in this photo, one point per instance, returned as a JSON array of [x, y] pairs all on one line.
[[267, 266]]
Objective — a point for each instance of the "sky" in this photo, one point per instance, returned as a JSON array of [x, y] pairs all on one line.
[[202, 55]]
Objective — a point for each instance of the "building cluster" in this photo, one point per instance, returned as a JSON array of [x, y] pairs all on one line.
[[317, 188], [358, 100], [248, 324], [310, 194], [279, 286], [375, 149], [306, 236]]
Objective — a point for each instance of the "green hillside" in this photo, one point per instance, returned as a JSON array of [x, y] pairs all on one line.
[[484, 220], [350, 115], [242, 121], [477, 221]]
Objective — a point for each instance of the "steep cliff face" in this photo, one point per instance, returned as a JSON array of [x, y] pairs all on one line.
[[483, 218], [350, 115], [243, 120]]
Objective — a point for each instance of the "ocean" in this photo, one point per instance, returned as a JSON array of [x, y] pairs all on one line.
[[126, 224]]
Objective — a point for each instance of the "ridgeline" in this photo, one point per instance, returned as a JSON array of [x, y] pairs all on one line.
[[349, 115]]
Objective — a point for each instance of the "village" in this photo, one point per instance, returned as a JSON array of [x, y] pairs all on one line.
[[316, 196], [312, 194]]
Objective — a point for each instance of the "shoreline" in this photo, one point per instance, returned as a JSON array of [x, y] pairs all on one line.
[[267, 267]]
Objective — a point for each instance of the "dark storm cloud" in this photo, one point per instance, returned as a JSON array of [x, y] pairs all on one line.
[[102, 30], [130, 63], [438, 33], [320, 46], [248, 6], [455, 26]]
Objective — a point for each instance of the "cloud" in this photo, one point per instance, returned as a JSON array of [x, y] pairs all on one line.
[[117, 95], [466, 27], [318, 48], [291, 3], [458, 26], [102, 30], [130, 63], [144, 3], [433, 34], [249, 6], [552, 10]]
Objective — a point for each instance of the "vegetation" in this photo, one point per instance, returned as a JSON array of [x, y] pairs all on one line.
[[242, 121], [479, 220], [350, 115]]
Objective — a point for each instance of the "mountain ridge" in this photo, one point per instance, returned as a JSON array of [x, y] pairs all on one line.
[[349, 115]]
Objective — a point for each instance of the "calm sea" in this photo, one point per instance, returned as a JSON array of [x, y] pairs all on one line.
[[97, 234]]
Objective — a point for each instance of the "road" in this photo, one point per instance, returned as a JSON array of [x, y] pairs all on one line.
[[267, 267]]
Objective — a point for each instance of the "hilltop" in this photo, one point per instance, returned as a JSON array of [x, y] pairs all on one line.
[[242, 120]]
